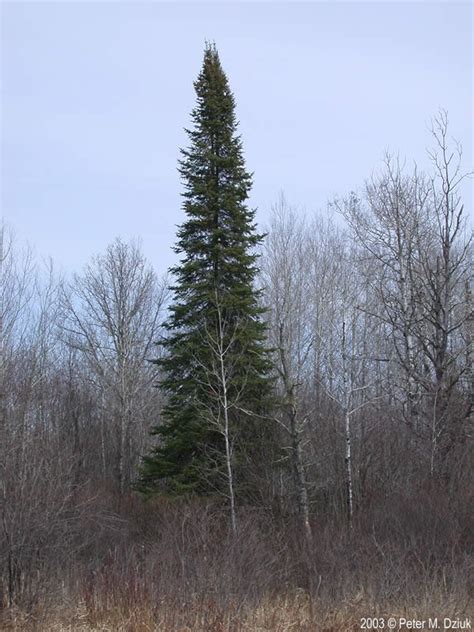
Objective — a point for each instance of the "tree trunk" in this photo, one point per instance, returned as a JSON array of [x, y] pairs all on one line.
[[348, 460], [300, 476]]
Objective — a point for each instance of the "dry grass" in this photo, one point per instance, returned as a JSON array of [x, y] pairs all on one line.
[[292, 612]]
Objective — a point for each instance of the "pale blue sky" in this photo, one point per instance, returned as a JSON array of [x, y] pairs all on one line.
[[95, 97]]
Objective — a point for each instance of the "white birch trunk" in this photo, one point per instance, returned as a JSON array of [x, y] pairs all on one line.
[[347, 428], [227, 439]]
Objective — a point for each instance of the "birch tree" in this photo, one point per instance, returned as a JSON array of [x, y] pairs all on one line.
[[225, 405]]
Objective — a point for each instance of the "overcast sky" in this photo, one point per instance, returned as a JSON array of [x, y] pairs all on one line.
[[95, 97]]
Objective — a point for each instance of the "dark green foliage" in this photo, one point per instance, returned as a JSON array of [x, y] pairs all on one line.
[[215, 276]]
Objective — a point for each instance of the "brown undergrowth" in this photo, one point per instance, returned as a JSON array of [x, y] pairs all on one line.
[[177, 567]]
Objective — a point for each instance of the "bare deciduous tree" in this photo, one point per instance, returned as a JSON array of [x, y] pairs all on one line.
[[286, 276], [111, 315], [412, 229]]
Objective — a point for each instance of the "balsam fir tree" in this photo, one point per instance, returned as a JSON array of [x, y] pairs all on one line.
[[215, 366]]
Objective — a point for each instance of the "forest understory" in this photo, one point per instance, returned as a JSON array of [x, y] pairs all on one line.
[[175, 566]]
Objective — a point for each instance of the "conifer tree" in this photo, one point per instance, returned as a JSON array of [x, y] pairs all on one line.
[[215, 368]]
